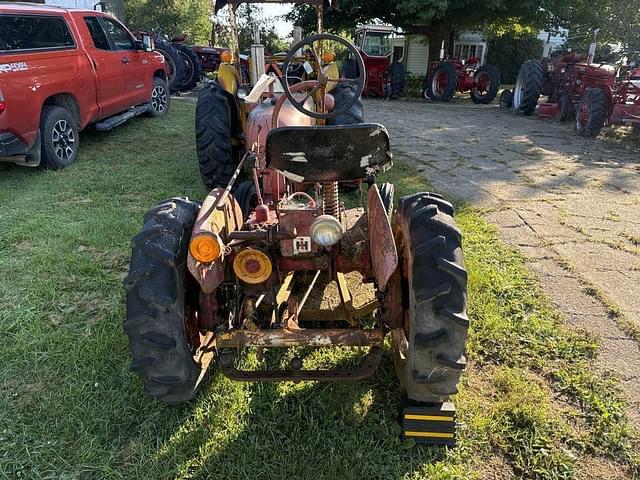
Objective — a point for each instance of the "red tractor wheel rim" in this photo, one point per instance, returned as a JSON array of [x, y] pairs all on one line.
[[440, 83], [583, 116], [483, 83]]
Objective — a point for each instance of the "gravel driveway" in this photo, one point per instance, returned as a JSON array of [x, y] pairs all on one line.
[[571, 205]]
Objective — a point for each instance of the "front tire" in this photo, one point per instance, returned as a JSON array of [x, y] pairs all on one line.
[[429, 351], [59, 137], [160, 98], [161, 298]]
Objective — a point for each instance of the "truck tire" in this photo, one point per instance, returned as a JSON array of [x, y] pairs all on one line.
[[591, 113], [343, 93], [193, 67], [442, 82], [397, 78], [160, 295], [486, 73], [217, 157], [429, 351], [528, 87], [174, 62], [59, 137], [160, 98]]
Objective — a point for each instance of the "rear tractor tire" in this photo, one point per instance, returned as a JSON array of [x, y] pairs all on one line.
[[162, 300], [591, 113], [528, 87], [218, 136], [487, 79], [429, 351], [442, 83]]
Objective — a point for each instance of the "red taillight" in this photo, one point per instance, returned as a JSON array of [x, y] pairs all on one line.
[[3, 105]]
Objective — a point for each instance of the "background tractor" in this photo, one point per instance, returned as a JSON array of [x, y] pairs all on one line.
[[592, 95], [248, 268], [385, 73], [447, 76]]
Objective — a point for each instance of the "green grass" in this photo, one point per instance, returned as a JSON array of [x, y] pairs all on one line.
[[529, 403]]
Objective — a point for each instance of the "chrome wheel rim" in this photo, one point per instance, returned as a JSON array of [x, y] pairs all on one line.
[[64, 140], [159, 99]]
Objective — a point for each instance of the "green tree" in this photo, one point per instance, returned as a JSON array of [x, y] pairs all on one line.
[[173, 16], [249, 15]]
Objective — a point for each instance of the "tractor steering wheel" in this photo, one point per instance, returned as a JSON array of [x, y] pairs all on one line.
[[319, 85]]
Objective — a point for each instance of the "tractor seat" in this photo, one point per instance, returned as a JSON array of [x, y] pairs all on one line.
[[330, 153]]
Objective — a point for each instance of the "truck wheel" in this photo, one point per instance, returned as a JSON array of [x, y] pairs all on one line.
[[160, 98], [59, 137], [168, 353], [343, 93], [174, 62], [217, 157], [442, 83], [397, 79], [591, 113], [429, 351], [487, 81], [192, 65], [528, 87]]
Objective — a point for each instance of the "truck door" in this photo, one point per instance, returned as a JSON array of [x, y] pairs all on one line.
[[110, 73], [137, 75]]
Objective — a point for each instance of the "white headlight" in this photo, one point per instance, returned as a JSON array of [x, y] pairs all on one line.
[[326, 230]]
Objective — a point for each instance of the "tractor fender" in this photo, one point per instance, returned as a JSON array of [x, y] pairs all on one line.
[[219, 215], [384, 254]]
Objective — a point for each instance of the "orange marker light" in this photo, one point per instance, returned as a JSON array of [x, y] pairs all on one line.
[[252, 266], [225, 57], [205, 247], [328, 57]]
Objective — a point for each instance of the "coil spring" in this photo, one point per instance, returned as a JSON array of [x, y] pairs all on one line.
[[330, 199]]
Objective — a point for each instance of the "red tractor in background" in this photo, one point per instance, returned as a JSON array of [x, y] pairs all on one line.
[[594, 95], [386, 76], [448, 75]]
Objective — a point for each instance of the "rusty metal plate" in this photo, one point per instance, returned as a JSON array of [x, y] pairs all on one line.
[[384, 254], [284, 337]]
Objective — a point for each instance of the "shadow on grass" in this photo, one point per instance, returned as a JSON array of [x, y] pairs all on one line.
[[305, 430]]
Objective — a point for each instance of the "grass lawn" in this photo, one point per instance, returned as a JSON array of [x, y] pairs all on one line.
[[530, 404]]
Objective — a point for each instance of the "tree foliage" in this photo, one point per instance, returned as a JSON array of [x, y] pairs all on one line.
[[249, 15], [509, 51], [173, 16]]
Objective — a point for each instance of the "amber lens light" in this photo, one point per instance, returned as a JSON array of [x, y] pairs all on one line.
[[205, 247], [252, 266], [328, 57]]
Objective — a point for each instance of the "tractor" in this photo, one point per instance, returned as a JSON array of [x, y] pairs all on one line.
[[448, 75], [385, 73], [592, 95], [243, 271]]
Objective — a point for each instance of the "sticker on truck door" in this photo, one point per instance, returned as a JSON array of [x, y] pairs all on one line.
[[13, 67]]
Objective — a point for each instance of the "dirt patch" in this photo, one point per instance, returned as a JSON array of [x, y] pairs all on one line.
[[569, 204]]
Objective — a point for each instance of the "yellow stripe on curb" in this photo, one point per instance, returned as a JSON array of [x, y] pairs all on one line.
[[409, 416], [428, 434]]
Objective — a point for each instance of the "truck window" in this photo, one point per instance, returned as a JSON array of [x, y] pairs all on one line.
[[119, 35], [98, 36], [34, 32]]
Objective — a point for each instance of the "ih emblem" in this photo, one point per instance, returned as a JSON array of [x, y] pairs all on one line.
[[301, 245]]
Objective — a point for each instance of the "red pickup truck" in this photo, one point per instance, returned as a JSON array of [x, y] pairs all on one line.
[[61, 70]]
